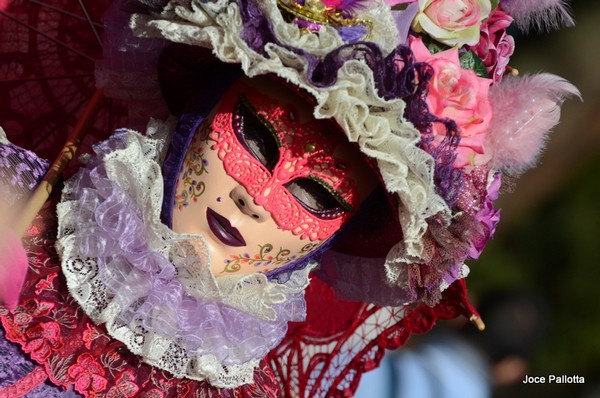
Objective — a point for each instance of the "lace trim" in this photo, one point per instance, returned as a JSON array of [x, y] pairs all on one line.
[[376, 124], [322, 357], [142, 279], [51, 328], [340, 341]]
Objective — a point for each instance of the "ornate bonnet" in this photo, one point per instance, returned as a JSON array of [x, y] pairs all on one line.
[[379, 83]]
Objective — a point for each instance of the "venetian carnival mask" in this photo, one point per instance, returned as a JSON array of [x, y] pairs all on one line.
[[266, 183]]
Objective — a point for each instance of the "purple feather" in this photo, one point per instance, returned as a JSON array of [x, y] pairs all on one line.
[[541, 14], [403, 21], [352, 34]]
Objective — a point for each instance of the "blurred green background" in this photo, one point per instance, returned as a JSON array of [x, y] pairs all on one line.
[[548, 239]]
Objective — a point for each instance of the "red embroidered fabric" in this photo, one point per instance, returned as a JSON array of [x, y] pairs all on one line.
[[322, 357]]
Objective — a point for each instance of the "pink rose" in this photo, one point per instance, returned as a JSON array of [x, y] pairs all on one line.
[[458, 94], [495, 46], [452, 22]]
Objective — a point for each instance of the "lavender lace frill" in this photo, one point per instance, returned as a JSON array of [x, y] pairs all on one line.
[[153, 287]]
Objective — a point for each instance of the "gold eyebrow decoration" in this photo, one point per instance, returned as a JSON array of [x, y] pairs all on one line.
[[347, 206], [262, 119]]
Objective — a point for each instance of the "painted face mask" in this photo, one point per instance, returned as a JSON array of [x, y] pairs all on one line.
[[287, 166], [265, 182]]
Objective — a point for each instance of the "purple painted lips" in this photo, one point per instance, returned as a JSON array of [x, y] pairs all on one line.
[[223, 230]]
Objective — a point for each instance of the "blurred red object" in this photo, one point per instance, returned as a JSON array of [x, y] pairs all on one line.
[[48, 54]]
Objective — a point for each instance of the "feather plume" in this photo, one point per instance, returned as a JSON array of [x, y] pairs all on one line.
[[13, 267], [525, 110], [541, 14]]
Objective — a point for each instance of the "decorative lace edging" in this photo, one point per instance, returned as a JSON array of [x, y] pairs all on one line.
[[152, 287]]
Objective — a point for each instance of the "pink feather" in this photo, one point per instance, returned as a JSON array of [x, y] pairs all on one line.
[[548, 14], [525, 110], [13, 267]]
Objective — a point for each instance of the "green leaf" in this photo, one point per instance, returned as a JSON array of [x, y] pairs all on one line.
[[432, 45], [471, 61], [494, 4]]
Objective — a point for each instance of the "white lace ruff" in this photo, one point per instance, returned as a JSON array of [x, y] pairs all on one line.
[[377, 125], [136, 169]]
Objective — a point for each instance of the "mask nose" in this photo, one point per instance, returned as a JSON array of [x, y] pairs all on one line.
[[246, 204]]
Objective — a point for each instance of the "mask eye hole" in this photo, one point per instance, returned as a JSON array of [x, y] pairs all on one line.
[[255, 134], [317, 198]]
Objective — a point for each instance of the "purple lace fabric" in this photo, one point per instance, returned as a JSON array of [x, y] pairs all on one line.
[[115, 254], [20, 171]]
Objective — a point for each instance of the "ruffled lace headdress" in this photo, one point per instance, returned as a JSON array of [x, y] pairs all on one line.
[[432, 118]]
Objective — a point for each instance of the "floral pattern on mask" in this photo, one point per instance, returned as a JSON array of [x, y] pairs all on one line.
[[266, 258], [194, 166], [305, 152]]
